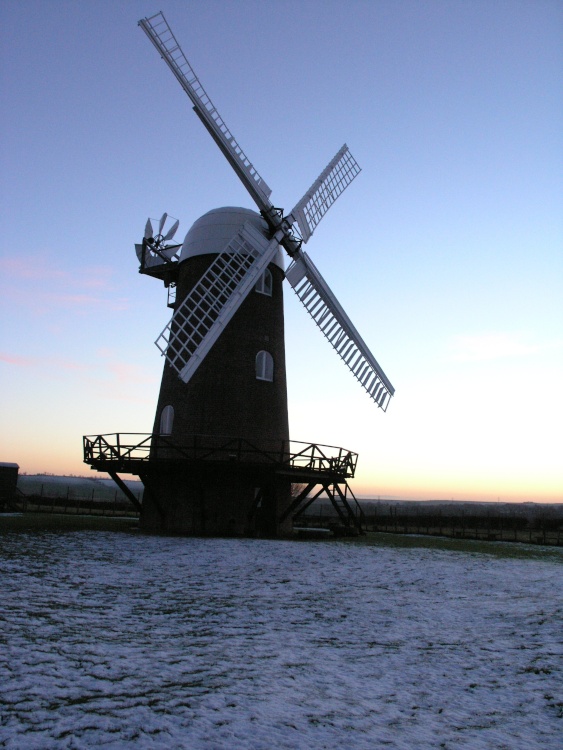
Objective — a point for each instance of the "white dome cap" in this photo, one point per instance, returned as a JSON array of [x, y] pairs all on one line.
[[212, 232]]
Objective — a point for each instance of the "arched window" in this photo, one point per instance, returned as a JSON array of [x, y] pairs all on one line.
[[264, 366], [264, 284], [166, 420]]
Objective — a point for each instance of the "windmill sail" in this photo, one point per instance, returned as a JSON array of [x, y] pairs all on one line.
[[200, 318], [159, 32], [331, 183], [326, 311], [205, 311]]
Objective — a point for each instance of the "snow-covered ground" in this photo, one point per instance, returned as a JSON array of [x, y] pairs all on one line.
[[117, 640]]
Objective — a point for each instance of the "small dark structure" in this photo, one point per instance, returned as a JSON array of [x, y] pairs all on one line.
[[8, 485]]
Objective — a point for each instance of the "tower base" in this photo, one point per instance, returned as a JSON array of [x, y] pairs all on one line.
[[222, 502], [211, 486]]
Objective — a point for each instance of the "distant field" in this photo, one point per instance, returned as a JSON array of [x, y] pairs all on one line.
[[86, 488]]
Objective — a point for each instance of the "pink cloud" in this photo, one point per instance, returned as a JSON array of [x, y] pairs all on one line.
[[40, 283], [31, 267], [97, 277], [125, 372], [51, 362], [14, 359], [85, 300], [65, 364], [42, 302], [42, 267], [125, 381]]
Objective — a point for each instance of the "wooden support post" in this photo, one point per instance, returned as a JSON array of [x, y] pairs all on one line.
[[125, 489]]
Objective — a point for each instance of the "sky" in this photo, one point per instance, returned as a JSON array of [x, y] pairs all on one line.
[[446, 251]]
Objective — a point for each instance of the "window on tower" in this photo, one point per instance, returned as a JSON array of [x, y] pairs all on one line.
[[166, 420], [264, 284], [264, 366]]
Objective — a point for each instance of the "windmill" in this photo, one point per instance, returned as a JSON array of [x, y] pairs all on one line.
[[219, 459]]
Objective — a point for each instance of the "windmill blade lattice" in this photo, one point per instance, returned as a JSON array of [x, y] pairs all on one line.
[[328, 186], [336, 326], [160, 34], [205, 311]]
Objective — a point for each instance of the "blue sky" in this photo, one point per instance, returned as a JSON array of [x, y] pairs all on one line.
[[446, 251]]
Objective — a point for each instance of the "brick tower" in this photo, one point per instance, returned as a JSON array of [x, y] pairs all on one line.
[[238, 393]]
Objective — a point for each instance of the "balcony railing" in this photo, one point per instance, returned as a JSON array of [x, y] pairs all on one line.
[[130, 451]]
